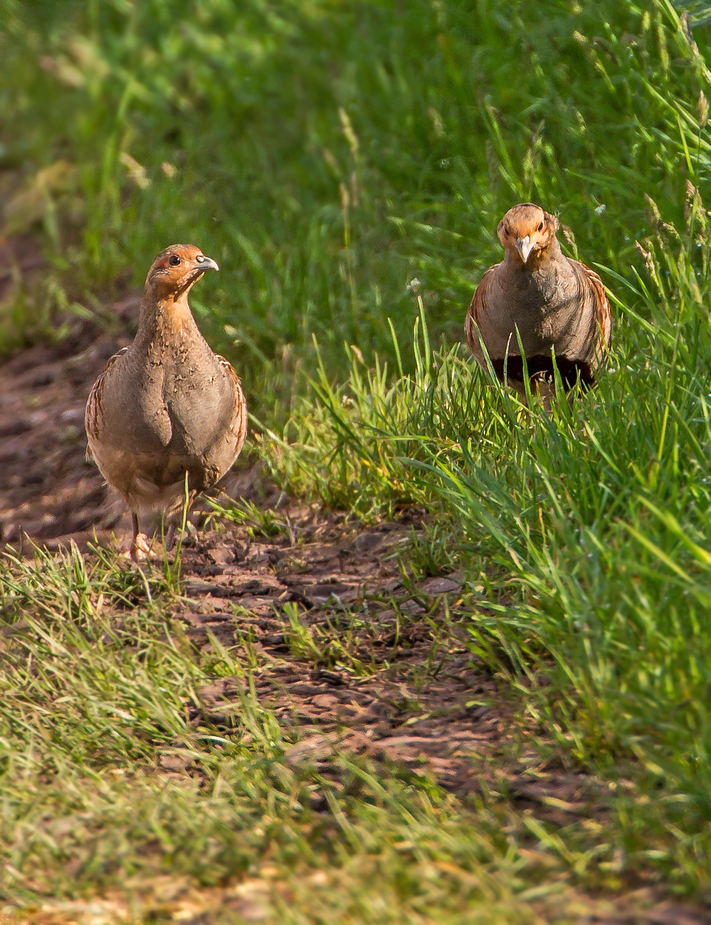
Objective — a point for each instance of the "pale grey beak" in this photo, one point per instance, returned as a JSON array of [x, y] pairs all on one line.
[[205, 263], [524, 246]]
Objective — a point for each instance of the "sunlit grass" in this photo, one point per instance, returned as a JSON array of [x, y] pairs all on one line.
[[584, 530], [324, 189], [117, 785]]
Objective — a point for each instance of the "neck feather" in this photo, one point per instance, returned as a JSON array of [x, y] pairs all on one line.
[[164, 317]]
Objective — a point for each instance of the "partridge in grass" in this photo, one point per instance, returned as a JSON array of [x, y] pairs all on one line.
[[540, 303], [167, 408]]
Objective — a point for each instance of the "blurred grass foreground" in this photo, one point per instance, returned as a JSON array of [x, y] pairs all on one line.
[[327, 154]]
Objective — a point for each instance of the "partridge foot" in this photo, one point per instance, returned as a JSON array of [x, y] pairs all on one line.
[[141, 548]]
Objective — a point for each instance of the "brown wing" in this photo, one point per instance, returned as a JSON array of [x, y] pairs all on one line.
[[238, 424], [602, 307], [93, 415], [475, 326]]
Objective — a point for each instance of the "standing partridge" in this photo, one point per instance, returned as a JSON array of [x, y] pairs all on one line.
[[166, 410], [540, 303]]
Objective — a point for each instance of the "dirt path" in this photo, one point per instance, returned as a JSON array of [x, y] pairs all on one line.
[[48, 490]]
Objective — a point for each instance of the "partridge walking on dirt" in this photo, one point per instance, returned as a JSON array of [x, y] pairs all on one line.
[[166, 408], [552, 304]]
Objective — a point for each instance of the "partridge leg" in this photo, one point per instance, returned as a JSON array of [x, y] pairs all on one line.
[[140, 548]]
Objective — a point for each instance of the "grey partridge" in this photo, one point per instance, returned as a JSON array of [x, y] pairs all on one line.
[[553, 305], [166, 409]]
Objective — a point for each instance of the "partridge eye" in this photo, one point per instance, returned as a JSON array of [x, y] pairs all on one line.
[[174, 260], [540, 227]]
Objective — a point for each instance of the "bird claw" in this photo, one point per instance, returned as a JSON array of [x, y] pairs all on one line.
[[140, 548]]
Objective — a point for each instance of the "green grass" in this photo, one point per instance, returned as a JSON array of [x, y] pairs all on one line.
[[584, 532], [101, 691], [324, 189], [326, 154]]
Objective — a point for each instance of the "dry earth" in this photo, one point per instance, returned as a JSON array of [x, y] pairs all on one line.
[[423, 704]]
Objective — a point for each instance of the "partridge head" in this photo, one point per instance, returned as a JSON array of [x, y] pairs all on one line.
[[526, 231]]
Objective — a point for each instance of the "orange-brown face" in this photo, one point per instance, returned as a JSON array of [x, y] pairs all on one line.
[[527, 229], [176, 269]]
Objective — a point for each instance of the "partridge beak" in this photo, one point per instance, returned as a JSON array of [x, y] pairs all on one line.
[[524, 246], [205, 263]]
